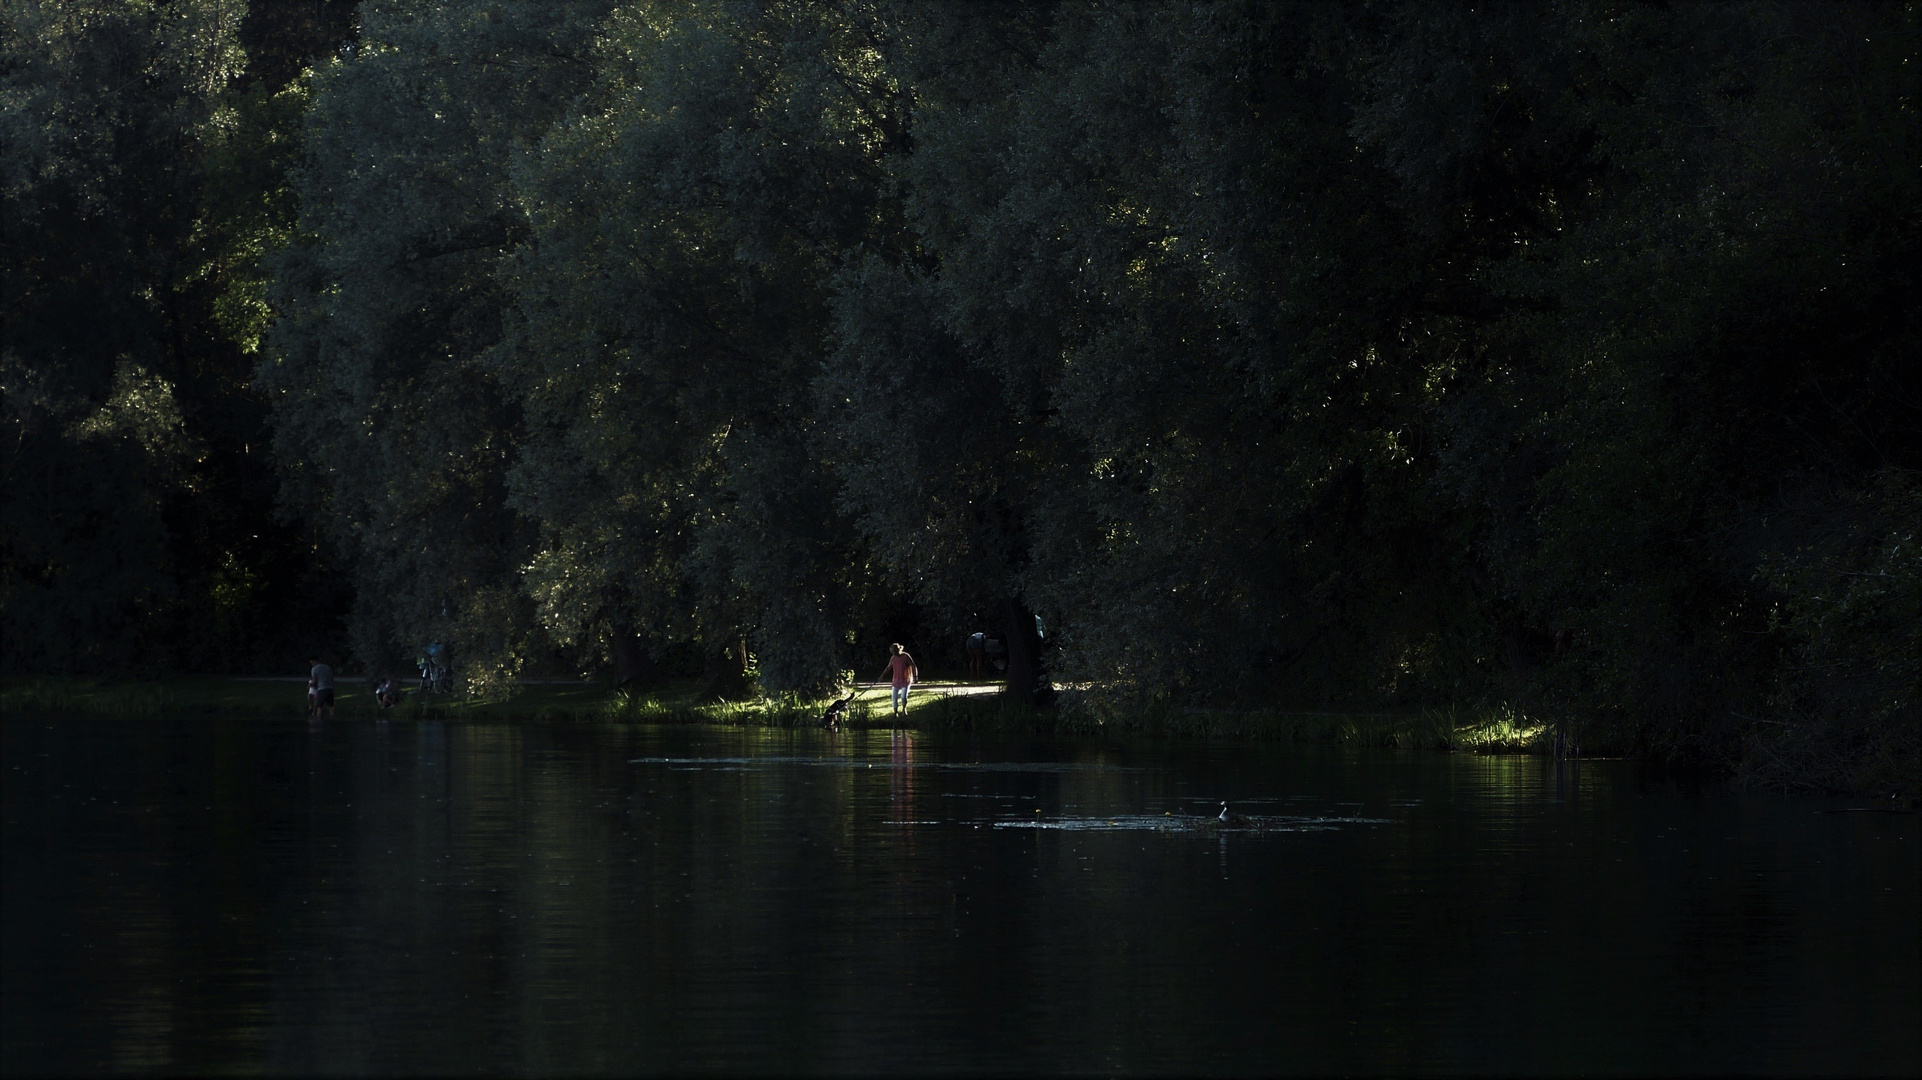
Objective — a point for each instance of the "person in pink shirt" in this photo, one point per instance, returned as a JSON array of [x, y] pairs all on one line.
[[901, 669]]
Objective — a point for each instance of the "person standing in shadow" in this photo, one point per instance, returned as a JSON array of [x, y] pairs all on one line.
[[901, 671], [321, 678]]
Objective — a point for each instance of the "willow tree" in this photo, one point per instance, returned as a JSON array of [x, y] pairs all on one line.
[[391, 426], [106, 114], [940, 448], [1693, 237], [1150, 334], [672, 297]]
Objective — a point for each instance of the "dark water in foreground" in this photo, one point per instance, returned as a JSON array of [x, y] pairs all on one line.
[[199, 896]]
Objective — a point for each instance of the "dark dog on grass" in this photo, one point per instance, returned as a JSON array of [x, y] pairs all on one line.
[[837, 712]]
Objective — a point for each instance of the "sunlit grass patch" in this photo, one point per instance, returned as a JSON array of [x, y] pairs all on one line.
[[680, 703], [868, 706], [1497, 729]]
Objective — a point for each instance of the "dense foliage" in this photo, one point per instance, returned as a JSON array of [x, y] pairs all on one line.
[[1306, 355], [143, 157]]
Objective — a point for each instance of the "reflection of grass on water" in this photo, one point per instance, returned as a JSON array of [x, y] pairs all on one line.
[[1494, 730], [1485, 730]]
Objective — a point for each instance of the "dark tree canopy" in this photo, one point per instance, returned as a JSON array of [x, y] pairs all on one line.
[[1560, 355], [141, 188]]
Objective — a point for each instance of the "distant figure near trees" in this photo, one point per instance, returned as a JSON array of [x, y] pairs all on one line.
[[977, 653], [901, 671], [320, 683], [997, 653], [435, 675], [385, 694]]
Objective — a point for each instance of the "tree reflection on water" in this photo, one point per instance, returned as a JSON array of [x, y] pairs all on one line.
[[424, 897]]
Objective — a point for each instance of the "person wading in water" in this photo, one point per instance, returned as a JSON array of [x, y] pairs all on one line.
[[902, 670]]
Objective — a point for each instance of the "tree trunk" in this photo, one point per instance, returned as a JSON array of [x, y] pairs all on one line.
[[1024, 654], [634, 669], [726, 676]]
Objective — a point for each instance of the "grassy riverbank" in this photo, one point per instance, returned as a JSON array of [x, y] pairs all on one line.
[[676, 702], [939, 706], [958, 707]]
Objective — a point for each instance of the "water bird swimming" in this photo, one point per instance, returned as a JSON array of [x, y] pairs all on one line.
[[1229, 817]]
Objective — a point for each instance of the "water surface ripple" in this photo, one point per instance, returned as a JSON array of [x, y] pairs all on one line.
[[194, 895]]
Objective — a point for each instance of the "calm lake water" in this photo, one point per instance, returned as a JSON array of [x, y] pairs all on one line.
[[193, 896]]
